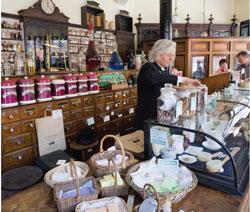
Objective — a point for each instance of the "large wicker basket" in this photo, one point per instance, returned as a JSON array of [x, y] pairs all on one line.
[[99, 170], [69, 204], [48, 176], [173, 196], [116, 190]]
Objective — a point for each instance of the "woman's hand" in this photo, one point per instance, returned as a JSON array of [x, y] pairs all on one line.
[[190, 81]]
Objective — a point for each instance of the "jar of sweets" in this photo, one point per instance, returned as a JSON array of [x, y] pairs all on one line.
[[83, 84], [93, 83], [70, 85], [58, 89], [43, 89], [26, 91], [8, 93]]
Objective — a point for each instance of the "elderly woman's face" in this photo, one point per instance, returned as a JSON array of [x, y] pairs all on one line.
[[166, 59]]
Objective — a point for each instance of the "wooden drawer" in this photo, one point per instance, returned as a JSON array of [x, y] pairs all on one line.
[[99, 99], [88, 101], [48, 106], [82, 123], [88, 111], [76, 114], [29, 112], [128, 122], [125, 94], [71, 138], [109, 97], [10, 115], [116, 126], [200, 46], [67, 116], [28, 126], [128, 111], [118, 95], [20, 158], [102, 118], [133, 101], [133, 92], [118, 104], [11, 129], [100, 108], [109, 106], [14, 143], [75, 103], [125, 102], [70, 127], [103, 129], [62, 104]]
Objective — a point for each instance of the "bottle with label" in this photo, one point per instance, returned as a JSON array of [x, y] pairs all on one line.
[[81, 60], [19, 64], [30, 64], [92, 58]]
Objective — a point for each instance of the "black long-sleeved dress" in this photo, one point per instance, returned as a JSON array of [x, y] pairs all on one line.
[[151, 79]]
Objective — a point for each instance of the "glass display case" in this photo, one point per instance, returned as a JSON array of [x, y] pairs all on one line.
[[214, 144]]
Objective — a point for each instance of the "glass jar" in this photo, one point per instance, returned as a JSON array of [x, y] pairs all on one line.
[[43, 89], [8, 93], [93, 60], [73, 63], [81, 61], [19, 64], [201, 97], [30, 64], [70, 85], [26, 91], [138, 61], [193, 100], [166, 105]]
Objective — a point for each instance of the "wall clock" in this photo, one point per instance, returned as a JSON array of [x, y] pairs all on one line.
[[48, 6]]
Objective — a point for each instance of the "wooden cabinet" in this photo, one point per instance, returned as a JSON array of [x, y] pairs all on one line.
[[112, 112], [123, 21]]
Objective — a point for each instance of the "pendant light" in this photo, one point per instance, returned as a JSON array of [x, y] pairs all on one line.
[[176, 18]]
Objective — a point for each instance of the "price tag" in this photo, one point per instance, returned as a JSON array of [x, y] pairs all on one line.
[[131, 110], [106, 118], [107, 108], [90, 121], [158, 136], [57, 114], [112, 113], [119, 115], [178, 108], [193, 103]]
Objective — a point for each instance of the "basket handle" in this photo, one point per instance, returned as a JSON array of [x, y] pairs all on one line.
[[109, 170], [119, 142], [74, 175], [148, 187]]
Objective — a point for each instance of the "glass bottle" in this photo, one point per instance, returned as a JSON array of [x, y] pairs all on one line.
[[30, 64], [73, 63], [81, 60], [92, 58], [19, 64]]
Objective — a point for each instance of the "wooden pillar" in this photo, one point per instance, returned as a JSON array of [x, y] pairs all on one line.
[[166, 19]]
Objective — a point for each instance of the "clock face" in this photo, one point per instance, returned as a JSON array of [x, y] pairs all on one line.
[[47, 6]]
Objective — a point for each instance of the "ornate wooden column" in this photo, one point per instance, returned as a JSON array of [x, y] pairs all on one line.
[[166, 19]]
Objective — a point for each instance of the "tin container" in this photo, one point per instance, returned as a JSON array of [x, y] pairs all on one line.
[[70, 85], [82, 84], [26, 91], [58, 89], [93, 83], [8, 93], [43, 89]]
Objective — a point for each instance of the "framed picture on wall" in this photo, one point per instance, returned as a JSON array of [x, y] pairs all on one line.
[[199, 66], [245, 28], [216, 62]]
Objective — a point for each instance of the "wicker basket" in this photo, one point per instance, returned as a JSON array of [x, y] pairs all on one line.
[[116, 190], [173, 196], [69, 204], [99, 170], [82, 207], [48, 176]]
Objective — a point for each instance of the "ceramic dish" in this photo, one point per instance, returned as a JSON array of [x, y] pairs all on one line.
[[213, 147], [189, 159]]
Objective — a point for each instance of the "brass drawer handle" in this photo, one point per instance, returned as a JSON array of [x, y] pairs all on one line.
[[11, 116], [30, 113], [67, 128], [12, 130], [19, 142], [124, 94], [62, 106], [19, 157], [31, 125], [124, 103]]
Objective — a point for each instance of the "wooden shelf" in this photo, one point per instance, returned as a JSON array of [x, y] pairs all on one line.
[[9, 39], [12, 29]]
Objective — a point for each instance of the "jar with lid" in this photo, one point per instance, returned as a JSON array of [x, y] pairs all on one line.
[[166, 105], [93, 83], [26, 91], [201, 97], [81, 61], [58, 89], [8, 93], [193, 100], [70, 85], [19, 64], [43, 89], [83, 84], [73, 63], [30, 64]]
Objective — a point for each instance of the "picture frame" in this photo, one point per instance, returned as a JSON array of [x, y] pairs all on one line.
[[245, 28], [199, 66], [215, 62]]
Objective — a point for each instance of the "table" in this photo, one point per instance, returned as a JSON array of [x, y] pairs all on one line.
[[39, 198]]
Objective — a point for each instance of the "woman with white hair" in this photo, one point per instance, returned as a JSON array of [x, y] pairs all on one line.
[[152, 77]]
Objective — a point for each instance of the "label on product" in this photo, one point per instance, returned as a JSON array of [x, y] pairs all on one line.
[[60, 88], [72, 87], [60, 162], [111, 149], [106, 118], [168, 162], [9, 94], [112, 113], [83, 86], [178, 108], [158, 136], [90, 121], [28, 91], [131, 110], [193, 103], [44, 89], [57, 114]]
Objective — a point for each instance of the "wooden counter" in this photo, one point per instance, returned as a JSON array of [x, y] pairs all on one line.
[[39, 198]]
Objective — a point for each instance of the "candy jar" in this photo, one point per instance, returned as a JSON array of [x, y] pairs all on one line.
[[83, 84], [58, 89], [8, 93], [70, 85], [93, 83], [43, 89], [26, 91], [81, 61]]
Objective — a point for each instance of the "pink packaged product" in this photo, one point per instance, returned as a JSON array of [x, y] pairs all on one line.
[[43, 89], [93, 83], [70, 85], [8, 93], [26, 91], [82, 84], [58, 89]]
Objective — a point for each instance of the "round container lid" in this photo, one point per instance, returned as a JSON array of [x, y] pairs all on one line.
[[82, 77], [92, 75], [70, 77], [58, 81], [26, 80], [8, 82], [43, 79]]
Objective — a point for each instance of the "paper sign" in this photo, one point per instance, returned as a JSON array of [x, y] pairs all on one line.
[[60, 162], [131, 110], [57, 114], [106, 118], [120, 115], [158, 136], [112, 113], [90, 121]]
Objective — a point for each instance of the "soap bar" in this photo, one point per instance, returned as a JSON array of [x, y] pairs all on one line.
[[113, 208], [108, 177], [104, 183]]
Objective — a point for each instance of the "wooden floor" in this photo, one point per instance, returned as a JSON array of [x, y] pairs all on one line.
[[39, 198]]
